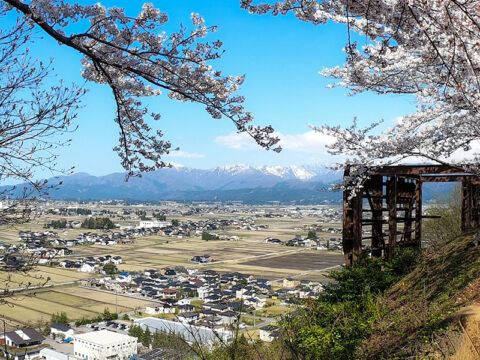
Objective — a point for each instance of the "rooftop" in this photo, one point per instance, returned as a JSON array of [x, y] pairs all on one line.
[[103, 337]]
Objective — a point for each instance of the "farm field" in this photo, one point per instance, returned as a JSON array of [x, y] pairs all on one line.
[[30, 309], [249, 254], [105, 297], [40, 276], [158, 251], [305, 261]]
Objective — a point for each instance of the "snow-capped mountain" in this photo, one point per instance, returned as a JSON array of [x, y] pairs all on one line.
[[284, 172], [229, 182], [288, 172]]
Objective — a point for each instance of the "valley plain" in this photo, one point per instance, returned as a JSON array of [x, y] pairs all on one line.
[[241, 247]]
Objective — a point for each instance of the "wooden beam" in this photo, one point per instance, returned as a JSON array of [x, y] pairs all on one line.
[[450, 178], [417, 170]]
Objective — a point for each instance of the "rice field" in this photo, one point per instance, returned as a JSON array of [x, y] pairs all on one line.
[[41, 275], [33, 308], [157, 252], [104, 297]]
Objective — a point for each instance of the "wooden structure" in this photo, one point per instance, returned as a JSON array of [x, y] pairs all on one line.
[[390, 206]]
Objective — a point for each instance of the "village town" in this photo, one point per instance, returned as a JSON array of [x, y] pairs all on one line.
[[202, 296]]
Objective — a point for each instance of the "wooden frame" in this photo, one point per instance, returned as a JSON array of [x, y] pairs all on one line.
[[390, 207]]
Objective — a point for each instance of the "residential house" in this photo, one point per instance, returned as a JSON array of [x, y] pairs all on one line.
[[169, 293], [117, 260], [228, 317], [23, 344], [290, 283], [185, 308], [61, 330], [88, 267], [188, 317], [159, 308], [269, 333]]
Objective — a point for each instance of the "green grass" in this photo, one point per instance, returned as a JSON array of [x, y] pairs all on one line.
[[273, 311]]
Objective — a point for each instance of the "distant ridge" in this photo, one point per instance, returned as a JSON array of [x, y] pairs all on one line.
[[255, 185]]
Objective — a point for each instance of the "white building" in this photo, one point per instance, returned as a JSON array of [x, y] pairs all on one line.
[[269, 333], [191, 333], [50, 354], [154, 309], [61, 330], [88, 267], [152, 223], [103, 345]]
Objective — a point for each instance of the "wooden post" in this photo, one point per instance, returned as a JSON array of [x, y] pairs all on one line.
[[407, 228], [357, 203], [376, 185], [475, 209], [418, 213], [392, 213], [409, 193], [347, 233], [466, 205]]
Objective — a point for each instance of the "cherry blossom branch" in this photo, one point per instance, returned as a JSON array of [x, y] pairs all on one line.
[[135, 59]]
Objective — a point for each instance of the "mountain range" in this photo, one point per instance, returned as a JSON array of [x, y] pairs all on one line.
[[252, 185], [299, 184]]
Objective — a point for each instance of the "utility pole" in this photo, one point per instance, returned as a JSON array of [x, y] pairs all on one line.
[[4, 339]]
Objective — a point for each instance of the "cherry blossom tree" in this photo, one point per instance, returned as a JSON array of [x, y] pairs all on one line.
[[33, 117], [136, 58], [34, 121], [429, 49]]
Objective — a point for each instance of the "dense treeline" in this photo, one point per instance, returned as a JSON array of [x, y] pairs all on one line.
[[56, 224], [98, 223], [160, 339], [159, 216], [207, 236], [105, 316]]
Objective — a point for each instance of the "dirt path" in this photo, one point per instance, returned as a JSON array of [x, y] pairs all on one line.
[[469, 348]]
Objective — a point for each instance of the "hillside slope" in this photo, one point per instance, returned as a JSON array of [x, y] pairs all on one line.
[[432, 313]]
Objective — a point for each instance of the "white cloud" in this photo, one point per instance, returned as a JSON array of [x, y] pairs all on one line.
[[186, 155], [237, 141], [309, 142]]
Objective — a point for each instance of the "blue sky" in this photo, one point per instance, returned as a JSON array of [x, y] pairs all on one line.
[[281, 58]]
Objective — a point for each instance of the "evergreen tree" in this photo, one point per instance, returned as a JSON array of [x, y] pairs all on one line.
[[157, 341], [110, 268], [61, 318], [146, 338], [136, 331], [207, 236]]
